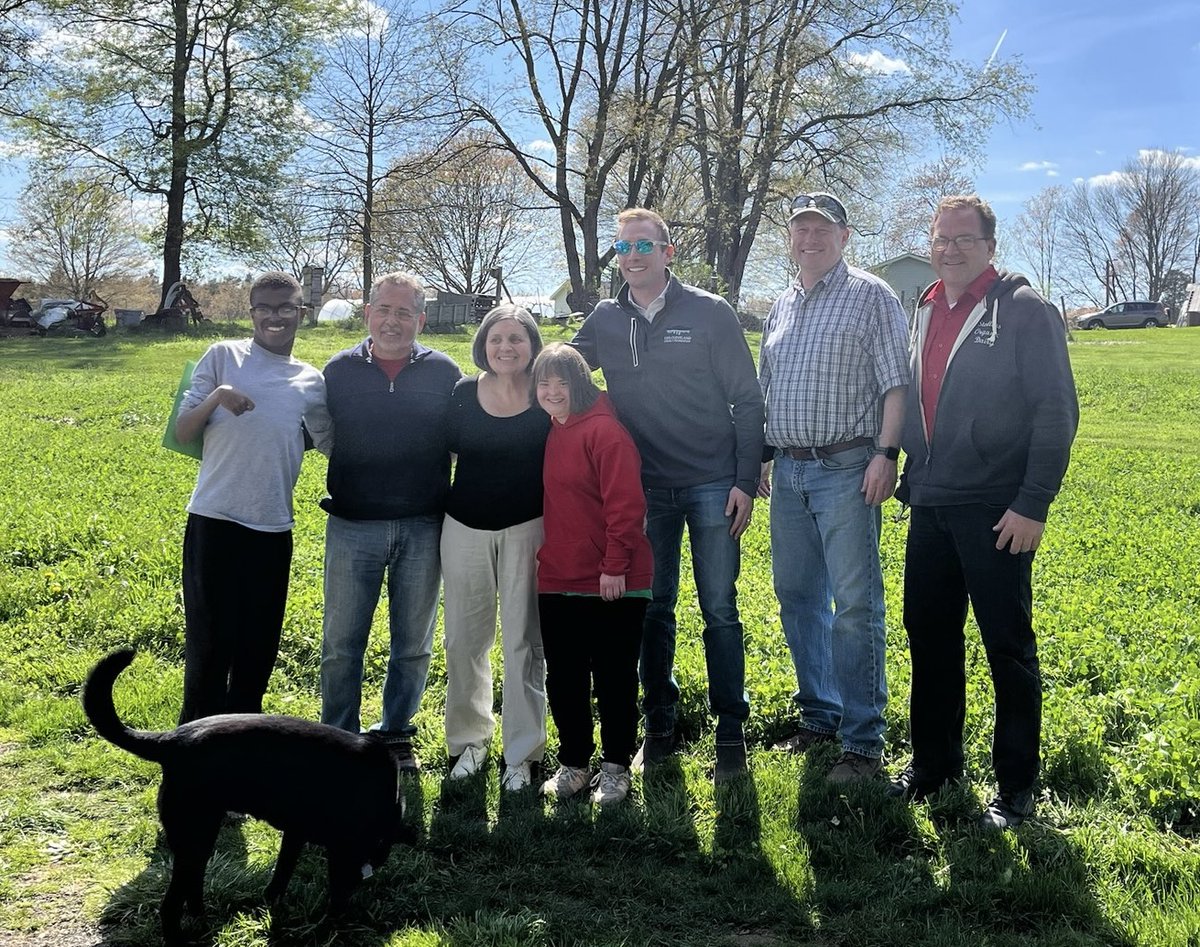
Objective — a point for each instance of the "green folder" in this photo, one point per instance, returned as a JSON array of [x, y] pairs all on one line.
[[193, 448]]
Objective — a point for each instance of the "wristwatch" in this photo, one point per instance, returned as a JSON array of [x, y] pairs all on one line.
[[891, 453]]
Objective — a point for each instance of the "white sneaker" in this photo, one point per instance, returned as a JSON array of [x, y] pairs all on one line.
[[611, 785], [517, 777], [568, 781], [471, 761]]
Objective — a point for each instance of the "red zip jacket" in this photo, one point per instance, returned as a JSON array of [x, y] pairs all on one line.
[[595, 511]]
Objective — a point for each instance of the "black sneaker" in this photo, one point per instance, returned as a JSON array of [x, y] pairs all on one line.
[[910, 788], [731, 762], [802, 741], [655, 749], [1007, 811]]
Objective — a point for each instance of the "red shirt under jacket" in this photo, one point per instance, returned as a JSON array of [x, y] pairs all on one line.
[[945, 323]]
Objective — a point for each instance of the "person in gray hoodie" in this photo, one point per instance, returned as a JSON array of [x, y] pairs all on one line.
[[988, 438]]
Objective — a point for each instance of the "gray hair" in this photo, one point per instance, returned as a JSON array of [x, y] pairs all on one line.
[[403, 278]]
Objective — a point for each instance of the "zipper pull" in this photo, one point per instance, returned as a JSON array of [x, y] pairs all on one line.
[[391, 387]]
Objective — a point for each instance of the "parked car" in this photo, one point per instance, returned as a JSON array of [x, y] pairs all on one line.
[[1127, 315]]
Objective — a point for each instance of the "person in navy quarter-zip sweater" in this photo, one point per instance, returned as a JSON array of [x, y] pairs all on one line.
[[682, 380], [988, 439], [389, 474]]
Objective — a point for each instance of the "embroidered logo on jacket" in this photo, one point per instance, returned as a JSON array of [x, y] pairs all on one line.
[[983, 334], [678, 335]]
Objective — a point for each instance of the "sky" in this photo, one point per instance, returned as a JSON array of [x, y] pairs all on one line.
[[1112, 79]]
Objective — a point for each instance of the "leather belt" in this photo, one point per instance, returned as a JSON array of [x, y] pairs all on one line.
[[808, 453]]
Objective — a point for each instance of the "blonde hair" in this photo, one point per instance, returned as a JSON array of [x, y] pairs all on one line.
[[644, 214]]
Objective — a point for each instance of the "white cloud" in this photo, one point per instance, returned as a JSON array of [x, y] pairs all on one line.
[[541, 146], [1051, 174], [878, 63], [1146, 153], [1106, 180], [1050, 167]]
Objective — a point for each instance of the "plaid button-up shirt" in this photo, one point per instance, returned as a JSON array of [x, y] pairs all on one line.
[[828, 355]]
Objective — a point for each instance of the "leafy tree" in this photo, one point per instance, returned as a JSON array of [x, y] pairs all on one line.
[[74, 233], [188, 101]]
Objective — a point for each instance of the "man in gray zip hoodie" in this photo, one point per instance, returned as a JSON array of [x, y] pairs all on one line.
[[988, 438], [682, 380]]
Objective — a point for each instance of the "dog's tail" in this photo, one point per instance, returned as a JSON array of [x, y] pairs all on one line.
[[98, 705]]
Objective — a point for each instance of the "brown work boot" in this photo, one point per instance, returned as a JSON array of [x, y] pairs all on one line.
[[802, 741], [854, 768]]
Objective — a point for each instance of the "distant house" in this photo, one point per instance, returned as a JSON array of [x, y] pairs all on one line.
[[559, 298], [1189, 312], [908, 275]]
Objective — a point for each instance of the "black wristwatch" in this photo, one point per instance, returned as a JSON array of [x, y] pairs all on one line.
[[891, 453]]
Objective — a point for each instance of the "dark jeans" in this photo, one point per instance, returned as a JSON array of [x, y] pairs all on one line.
[[952, 557], [716, 562], [591, 643], [235, 582]]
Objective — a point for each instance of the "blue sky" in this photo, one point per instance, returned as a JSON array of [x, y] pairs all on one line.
[[1112, 78]]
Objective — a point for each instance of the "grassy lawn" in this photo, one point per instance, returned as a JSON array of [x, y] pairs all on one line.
[[91, 524]]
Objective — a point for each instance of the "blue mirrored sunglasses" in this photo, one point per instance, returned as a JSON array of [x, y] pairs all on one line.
[[642, 246]]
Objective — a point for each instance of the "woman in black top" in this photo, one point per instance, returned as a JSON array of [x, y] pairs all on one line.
[[490, 539]]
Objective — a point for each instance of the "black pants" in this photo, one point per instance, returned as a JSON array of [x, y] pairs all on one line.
[[235, 583], [952, 557], [592, 643]]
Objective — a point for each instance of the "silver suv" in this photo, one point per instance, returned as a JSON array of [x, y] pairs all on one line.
[[1127, 315]]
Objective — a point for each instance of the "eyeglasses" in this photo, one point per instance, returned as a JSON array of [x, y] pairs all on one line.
[[964, 241], [642, 246], [819, 202], [387, 312], [285, 310]]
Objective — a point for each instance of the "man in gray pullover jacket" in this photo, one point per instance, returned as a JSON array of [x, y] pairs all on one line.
[[682, 379], [988, 437]]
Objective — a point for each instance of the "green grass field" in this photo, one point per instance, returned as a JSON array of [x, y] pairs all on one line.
[[91, 523]]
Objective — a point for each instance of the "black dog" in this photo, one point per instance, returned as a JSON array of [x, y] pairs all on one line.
[[313, 782]]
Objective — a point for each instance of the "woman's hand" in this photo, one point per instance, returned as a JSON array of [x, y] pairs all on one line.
[[612, 587]]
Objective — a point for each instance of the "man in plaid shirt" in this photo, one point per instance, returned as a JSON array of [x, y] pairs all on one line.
[[833, 370]]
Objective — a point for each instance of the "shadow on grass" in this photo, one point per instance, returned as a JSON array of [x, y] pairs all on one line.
[[947, 882]]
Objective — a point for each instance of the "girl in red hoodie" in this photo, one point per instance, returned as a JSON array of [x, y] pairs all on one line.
[[594, 574]]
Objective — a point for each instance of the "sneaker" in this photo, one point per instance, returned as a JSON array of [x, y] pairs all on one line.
[[469, 762], [655, 749], [568, 781], [517, 777], [910, 788], [853, 768], [610, 785], [802, 741], [1007, 811], [731, 762]]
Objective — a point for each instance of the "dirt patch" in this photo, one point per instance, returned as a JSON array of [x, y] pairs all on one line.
[[61, 935]]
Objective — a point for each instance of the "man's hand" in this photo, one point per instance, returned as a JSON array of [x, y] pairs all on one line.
[[739, 506], [1019, 533], [234, 401], [879, 481], [764, 481], [612, 587]]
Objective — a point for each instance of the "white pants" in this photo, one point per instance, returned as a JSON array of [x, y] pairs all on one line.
[[477, 566]]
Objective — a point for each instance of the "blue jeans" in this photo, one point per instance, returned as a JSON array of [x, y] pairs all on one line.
[[358, 553], [716, 561], [825, 552]]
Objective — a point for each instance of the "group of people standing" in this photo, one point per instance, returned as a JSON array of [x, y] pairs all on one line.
[[530, 493]]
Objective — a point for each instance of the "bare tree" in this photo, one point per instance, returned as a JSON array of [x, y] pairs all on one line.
[[377, 99], [909, 214], [473, 212], [1036, 236], [307, 226], [593, 77], [1124, 233], [75, 232]]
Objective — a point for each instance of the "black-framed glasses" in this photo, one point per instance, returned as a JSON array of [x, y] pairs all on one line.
[[822, 202], [964, 241], [284, 310], [642, 246]]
